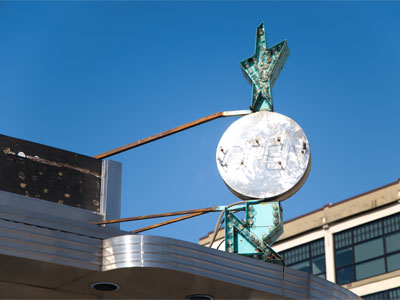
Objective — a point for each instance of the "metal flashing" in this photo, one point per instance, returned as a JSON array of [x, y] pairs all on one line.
[[110, 196], [45, 214]]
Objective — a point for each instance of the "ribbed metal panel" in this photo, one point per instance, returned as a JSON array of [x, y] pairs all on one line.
[[133, 251], [44, 244]]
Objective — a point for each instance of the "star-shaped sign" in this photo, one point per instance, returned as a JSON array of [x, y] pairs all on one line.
[[263, 68]]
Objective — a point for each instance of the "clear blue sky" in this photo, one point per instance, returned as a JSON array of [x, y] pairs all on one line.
[[91, 76]]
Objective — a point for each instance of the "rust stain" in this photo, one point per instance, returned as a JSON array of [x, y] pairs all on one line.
[[8, 151], [21, 175]]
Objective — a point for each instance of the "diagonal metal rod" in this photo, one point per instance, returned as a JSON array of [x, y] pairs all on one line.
[[176, 213], [173, 131], [169, 222]]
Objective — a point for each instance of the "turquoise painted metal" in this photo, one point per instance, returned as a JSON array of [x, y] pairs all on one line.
[[263, 69], [255, 235], [263, 224]]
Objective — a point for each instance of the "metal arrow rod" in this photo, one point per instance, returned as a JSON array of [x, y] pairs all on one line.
[[168, 214], [161, 215], [199, 213], [173, 131], [168, 222]]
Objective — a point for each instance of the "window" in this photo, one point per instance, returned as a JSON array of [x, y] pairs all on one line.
[[368, 250], [392, 294], [308, 257]]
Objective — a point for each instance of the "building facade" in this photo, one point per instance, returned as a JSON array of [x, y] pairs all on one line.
[[354, 243]]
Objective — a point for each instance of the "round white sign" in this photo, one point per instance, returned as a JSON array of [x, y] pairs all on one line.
[[264, 155]]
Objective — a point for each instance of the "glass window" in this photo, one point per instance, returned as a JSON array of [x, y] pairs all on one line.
[[317, 248], [393, 262], [345, 275], [370, 268], [392, 223], [393, 242], [392, 294], [296, 254], [368, 250], [344, 257], [342, 239], [367, 231], [308, 257], [303, 266], [377, 296], [318, 265]]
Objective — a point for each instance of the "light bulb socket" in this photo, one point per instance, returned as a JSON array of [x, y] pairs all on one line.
[[199, 297], [104, 286]]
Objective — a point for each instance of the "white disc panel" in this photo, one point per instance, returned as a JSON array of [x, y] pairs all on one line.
[[264, 155]]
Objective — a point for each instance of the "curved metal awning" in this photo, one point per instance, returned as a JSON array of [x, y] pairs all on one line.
[[50, 251]]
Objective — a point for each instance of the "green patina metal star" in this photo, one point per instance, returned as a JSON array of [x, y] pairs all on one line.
[[263, 68]]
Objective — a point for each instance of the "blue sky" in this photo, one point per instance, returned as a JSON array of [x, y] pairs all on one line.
[[94, 75]]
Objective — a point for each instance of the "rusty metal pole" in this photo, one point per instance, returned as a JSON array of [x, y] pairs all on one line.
[[183, 212], [172, 131], [168, 222]]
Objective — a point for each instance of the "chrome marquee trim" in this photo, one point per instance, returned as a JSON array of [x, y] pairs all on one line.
[[139, 251]]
